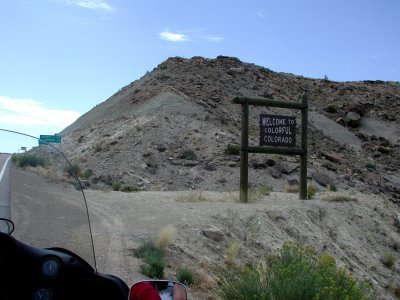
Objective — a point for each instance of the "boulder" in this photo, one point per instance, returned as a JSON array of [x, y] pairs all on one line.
[[276, 172], [214, 233], [323, 178], [159, 147], [187, 154], [333, 157], [353, 119]]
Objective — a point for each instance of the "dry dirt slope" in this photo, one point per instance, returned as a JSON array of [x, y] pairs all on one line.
[[359, 232]]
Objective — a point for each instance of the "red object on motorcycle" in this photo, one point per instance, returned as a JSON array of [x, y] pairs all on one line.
[[157, 290]]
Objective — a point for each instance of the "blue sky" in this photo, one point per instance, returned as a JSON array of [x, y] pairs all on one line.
[[59, 58]]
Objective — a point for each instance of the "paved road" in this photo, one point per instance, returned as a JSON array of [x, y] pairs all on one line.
[[4, 186], [48, 214]]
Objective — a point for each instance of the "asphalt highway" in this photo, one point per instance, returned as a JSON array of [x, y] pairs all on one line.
[[4, 186]]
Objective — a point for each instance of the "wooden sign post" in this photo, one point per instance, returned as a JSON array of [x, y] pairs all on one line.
[[278, 133]]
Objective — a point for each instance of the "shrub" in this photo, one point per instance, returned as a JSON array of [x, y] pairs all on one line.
[[87, 173], [257, 193], [232, 150], [233, 251], [165, 237], [311, 191], [388, 260], [154, 260], [248, 283], [116, 186], [15, 157], [295, 273], [327, 260], [154, 268], [265, 190], [148, 249], [129, 188], [185, 276], [73, 169], [28, 160]]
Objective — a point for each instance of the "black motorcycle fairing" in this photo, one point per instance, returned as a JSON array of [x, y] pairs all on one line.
[[75, 279]]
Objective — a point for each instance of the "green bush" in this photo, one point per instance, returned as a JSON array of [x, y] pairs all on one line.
[[129, 188], [246, 283], [148, 249], [154, 260], [185, 276], [73, 169], [28, 160], [154, 268], [295, 273], [116, 186], [232, 150], [388, 260], [86, 174], [327, 260]]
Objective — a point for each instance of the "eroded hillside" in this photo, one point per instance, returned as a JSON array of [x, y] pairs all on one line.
[[170, 130]]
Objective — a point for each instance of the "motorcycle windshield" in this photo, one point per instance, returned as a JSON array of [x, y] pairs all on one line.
[[41, 195]]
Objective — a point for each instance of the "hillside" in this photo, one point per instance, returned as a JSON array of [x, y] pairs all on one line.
[[169, 130]]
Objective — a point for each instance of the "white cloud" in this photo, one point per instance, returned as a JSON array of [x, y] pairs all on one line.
[[90, 4], [261, 15], [29, 112], [173, 37], [195, 34], [214, 39]]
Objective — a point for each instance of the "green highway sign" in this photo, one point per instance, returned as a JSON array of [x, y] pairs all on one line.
[[46, 139]]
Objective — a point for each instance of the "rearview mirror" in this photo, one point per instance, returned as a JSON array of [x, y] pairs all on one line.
[[157, 290]]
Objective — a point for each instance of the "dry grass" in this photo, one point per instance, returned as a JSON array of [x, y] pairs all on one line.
[[232, 252], [293, 189], [50, 174], [192, 197], [165, 237], [254, 194], [206, 196], [231, 219], [338, 197]]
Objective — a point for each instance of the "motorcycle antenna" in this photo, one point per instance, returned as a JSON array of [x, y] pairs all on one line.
[[75, 177]]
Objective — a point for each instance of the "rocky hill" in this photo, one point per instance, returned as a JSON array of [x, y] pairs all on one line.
[[170, 130]]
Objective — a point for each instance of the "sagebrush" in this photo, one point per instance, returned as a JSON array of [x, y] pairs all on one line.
[[295, 273]]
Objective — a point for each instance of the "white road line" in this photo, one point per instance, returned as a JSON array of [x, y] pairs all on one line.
[[4, 168]]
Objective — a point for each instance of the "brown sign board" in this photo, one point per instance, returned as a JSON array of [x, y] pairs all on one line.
[[277, 131]]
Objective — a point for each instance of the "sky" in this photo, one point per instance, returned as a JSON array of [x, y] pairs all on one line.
[[60, 58]]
